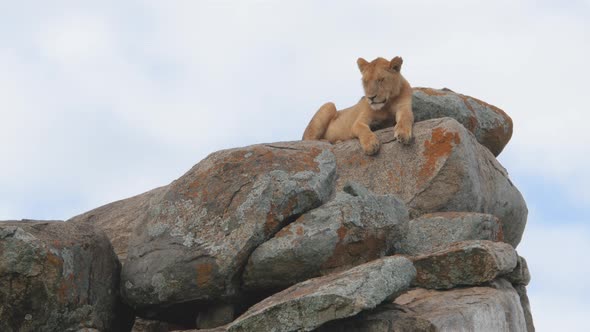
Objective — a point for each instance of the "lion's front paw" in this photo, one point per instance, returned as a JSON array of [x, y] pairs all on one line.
[[402, 134], [371, 145]]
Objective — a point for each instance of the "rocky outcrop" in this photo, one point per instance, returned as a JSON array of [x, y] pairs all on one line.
[[464, 264], [355, 227], [493, 307], [436, 230], [295, 236], [311, 303], [445, 169], [491, 126], [198, 237], [57, 276]]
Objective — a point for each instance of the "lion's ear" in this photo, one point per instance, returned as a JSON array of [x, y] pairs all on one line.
[[362, 63], [396, 63]]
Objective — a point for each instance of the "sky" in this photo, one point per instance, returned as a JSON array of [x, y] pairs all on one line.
[[104, 100]]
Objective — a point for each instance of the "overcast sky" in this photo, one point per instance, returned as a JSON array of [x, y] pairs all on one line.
[[104, 100]]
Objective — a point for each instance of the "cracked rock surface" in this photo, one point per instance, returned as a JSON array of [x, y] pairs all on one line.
[[444, 169], [353, 228], [195, 241], [307, 305]]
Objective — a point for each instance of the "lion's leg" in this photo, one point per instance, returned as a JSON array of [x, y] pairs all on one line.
[[369, 141], [404, 120], [319, 123]]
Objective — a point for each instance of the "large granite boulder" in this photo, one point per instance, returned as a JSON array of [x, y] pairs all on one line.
[[57, 276], [436, 230], [491, 126], [353, 228], [493, 307], [307, 305], [196, 239], [444, 169]]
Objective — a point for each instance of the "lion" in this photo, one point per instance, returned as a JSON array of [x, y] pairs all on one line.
[[387, 102]]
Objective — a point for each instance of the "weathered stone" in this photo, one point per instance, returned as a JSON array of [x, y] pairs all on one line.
[[387, 317], [435, 230], [526, 307], [215, 315], [196, 240], [444, 169], [146, 325], [309, 304], [464, 263], [118, 219], [495, 307], [491, 126], [354, 228], [520, 275], [57, 276]]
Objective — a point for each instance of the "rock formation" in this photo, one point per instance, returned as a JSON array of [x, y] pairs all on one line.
[[57, 276], [296, 236]]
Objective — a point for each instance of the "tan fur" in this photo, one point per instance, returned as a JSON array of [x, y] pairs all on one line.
[[387, 102]]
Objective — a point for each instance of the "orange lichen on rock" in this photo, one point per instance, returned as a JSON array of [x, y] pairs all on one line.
[[439, 146], [286, 231], [348, 253], [204, 273], [342, 232]]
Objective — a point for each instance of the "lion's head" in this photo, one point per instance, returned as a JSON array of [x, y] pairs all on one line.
[[382, 80]]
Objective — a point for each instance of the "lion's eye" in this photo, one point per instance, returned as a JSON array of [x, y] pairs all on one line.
[[380, 80]]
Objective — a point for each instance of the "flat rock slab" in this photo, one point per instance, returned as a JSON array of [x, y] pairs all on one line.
[[387, 317], [463, 264], [353, 228], [487, 308], [444, 170], [307, 305], [57, 276], [196, 240], [491, 126], [436, 230]]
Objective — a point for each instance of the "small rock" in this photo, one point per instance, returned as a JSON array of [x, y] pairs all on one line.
[[491, 126], [435, 230], [520, 275], [464, 263]]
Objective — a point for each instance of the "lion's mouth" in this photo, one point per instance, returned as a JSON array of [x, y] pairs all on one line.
[[376, 105]]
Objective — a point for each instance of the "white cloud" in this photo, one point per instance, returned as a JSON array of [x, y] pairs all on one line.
[[103, 101], [75, 38], [556, 255]]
